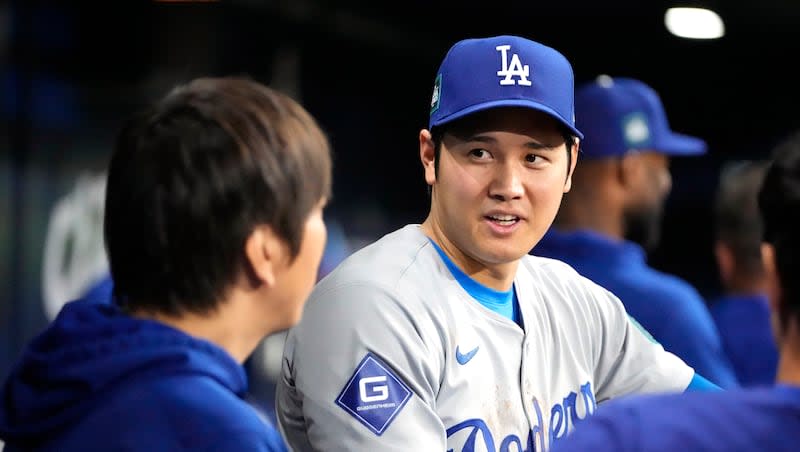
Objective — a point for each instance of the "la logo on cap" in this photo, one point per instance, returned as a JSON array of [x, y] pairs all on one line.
[[515, 68]]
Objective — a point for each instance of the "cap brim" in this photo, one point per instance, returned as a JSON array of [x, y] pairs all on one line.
[[508, 103], [679, 144]]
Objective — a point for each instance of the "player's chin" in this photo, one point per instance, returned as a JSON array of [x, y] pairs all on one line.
[[504, 254], [513, 249]]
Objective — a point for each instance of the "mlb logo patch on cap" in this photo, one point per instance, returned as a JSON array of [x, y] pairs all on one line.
[[621, 114], [635, 130], [437, 90]]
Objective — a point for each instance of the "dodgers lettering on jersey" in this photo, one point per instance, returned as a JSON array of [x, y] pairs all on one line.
[[393, 354], [563, 416]]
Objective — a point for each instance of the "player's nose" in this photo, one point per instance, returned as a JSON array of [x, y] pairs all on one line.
[[507, 182]]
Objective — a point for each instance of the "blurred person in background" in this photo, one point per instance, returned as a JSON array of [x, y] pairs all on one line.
[[742, 312], [214, 232], [612, 217], [740, 419]]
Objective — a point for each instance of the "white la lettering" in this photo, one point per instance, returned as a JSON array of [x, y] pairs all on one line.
[[515, 68]]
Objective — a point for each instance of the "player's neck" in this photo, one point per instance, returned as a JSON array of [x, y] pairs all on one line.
[[499, 277], [745, 283], [789, 363]]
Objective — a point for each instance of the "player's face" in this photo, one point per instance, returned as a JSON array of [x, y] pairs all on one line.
[[500, 181], [651, 186], [298, 278]]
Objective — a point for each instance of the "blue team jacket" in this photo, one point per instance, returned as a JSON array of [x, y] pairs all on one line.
[[744, 324], [738, 420], [99, 380], [665, 305]]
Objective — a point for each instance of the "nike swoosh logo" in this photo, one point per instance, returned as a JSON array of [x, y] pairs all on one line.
[[464, 358]]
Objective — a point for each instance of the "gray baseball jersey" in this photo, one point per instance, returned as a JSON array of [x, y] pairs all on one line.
[[393, 354]]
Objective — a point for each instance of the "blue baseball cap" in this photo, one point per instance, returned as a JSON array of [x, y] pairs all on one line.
[[622, 114], [503, 71]]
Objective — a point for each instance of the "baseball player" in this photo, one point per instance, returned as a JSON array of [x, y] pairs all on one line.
[[446, 335], [765, 418]]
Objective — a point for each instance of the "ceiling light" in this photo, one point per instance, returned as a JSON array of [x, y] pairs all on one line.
[[694, 23]]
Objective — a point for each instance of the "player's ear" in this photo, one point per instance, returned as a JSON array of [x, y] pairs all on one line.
[[427, 155], [573, 161], [628, 169], [725, 261], [774, 292], [264, 253]]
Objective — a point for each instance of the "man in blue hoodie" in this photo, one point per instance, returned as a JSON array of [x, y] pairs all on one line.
[[214, 233], [613, 214]]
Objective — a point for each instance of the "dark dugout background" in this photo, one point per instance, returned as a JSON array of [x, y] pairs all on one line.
[[72, 71]]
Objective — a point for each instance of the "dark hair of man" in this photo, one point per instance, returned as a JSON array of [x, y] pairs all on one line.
[[779, 204], [737, 221], [190, 179]]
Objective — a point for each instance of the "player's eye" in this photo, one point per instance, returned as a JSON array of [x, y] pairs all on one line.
[[480, 154], [533, 158]]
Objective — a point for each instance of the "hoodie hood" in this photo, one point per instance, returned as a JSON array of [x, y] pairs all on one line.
[[87, 352]]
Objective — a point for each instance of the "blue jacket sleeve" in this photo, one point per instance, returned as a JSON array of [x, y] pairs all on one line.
[[611, 428], [693, 336]]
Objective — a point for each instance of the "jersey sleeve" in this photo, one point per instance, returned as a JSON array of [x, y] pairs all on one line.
[[361, 372], [629, 360]]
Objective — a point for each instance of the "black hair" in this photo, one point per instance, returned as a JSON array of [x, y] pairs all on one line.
[[779, 205], [191, 177]]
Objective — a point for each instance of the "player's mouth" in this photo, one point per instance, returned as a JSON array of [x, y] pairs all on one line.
[[503, 220]]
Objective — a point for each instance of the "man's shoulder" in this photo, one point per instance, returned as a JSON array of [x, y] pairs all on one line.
[[655, 286], [382, 261], [670, 282], [551, 271], [189, 396], [559, 281], [165, 411], [396, 273], [548, 266]]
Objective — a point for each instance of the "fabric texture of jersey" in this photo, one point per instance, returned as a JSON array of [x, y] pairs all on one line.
[[97, 379], [665, 305], [393, 354], [738, 420], [747, 338]]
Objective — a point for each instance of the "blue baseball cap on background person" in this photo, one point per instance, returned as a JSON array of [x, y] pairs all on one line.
[[622, 114], [503, 71]]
